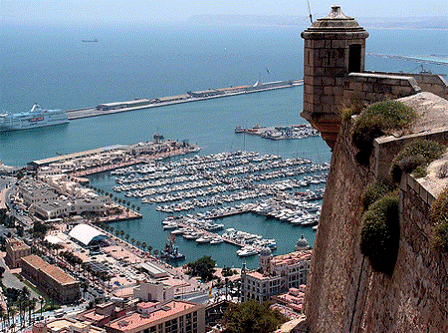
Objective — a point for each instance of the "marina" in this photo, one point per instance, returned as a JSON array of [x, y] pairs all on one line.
[[198, 190]]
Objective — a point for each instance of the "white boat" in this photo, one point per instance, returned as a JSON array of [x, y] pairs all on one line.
[[178, 231], [170, 226], [246, 251], [217, 240], [190, 235], [203, 239]]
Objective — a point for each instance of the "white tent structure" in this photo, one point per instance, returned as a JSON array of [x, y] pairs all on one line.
[[86, 235]]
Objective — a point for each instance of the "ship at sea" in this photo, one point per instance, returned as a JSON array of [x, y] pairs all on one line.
[[34, 118], [90, 40]]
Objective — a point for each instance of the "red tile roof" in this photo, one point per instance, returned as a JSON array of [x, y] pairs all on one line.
[[137, 320]]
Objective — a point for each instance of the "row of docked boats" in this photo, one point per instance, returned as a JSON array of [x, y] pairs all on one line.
[[203, 232]]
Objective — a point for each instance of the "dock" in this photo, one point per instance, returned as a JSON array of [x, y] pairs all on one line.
[[289, 132], [139, 104]]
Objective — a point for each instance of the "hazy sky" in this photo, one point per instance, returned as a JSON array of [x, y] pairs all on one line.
[[152, 11]]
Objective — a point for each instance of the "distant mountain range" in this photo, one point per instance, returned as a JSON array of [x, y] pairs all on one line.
[[440, 22]]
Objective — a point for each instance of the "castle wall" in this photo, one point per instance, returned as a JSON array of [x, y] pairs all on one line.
[[372, 87], [343, 293], [433, 83]]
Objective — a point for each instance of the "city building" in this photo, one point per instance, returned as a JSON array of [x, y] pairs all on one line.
[[15, 251], [103, 313], [65, 325], [275, 275], [86, 235], [50, 279], [154, 291], [35, 191], [157, 317], [69, 207]]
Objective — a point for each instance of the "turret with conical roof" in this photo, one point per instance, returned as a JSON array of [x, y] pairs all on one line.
[[334, 47]]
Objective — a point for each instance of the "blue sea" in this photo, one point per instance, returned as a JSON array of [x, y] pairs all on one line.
[[52, 66]]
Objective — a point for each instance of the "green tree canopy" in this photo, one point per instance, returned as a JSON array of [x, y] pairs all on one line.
[[203, 267], [251, 316]]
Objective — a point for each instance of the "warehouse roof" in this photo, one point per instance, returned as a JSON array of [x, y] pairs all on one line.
[[86, 234]]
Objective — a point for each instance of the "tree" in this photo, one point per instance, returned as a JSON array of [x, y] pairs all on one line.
[[132, 241], [144, 245], [203, 267], [156, 252], [251, 316], [126, 236], [149, 249]]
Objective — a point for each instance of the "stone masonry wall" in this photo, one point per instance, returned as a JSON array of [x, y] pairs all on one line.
[[336, 263], [343, 293], [415, 297], [433, 83], [372, 88]]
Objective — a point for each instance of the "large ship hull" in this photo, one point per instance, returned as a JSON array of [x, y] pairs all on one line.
[[35, 118]]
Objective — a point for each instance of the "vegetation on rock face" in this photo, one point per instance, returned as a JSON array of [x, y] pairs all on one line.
[[439, 218], [373, 192], [380, 233], [251, 316], [415, 157], [377, 120]]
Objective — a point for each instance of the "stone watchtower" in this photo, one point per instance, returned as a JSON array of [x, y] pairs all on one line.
[[334, 47]]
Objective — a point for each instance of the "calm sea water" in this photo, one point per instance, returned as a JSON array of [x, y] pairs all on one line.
[[51, 65]]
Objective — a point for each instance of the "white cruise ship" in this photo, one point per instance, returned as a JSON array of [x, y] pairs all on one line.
[[34, 118]]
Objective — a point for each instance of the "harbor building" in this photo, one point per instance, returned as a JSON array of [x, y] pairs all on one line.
[[33, 192], [15, 251], [156, 317], [50, 279], [275, 275]]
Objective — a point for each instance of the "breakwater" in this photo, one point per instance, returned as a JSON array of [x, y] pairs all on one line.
[[433, 60], [138, 104]]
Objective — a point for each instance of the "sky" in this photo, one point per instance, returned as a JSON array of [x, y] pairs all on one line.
[[172, 11]]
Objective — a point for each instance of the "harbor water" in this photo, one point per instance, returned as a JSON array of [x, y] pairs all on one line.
[[148, 62]]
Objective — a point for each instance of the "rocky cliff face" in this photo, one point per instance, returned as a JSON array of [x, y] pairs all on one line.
[[344, 294]]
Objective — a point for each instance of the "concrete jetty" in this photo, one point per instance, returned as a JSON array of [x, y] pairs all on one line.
[[138, 104]]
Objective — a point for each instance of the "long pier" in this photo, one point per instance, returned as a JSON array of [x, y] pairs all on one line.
[[422, 60], [118, 107]]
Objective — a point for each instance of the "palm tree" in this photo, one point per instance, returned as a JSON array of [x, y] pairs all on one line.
[[121, 232], [132, 241], [149, 249], [138, 243], [138, 208], [144, 245], [126, 236], [156, 252], [117, 233]]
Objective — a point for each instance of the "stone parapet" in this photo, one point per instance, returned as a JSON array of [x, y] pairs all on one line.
[[432, 83], [371, 87]]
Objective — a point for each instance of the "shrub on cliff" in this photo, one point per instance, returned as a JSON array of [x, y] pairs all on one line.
[[373, 192], [415, 157], [439, 218], [377, 120], [380, 233]]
